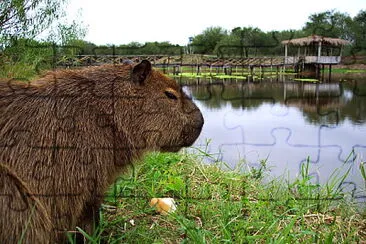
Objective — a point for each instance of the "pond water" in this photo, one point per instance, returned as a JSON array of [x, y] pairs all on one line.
[[286, 123]]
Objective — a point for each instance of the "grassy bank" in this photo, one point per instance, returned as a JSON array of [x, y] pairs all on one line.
[[215, 206]]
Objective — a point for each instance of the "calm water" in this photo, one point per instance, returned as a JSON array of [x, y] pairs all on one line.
[[286, 122]]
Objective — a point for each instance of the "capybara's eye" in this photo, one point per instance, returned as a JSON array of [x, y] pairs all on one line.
[[170, 95]]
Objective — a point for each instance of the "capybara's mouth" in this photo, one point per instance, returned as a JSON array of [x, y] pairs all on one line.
[[189, 136], [171, 148], [192, 136], [193, 131]]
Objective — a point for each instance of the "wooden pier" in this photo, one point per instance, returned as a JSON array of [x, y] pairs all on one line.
[[301, 55], [310, 54]]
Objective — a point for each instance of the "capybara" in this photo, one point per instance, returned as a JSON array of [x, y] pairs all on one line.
[[67, 136]]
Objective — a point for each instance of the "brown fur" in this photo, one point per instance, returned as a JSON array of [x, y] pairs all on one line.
[[66, 137]]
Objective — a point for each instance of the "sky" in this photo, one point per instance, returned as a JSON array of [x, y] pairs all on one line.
[[124, 21]]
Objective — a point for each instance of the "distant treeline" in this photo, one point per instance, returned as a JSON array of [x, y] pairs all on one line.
[[250, 41], [240, 41], [20, 50]]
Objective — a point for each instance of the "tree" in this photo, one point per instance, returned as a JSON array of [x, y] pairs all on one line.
[[23, 20], [206, 42], [27, 18], [359, 31], [247, 41], [65, 33], [330, 24]]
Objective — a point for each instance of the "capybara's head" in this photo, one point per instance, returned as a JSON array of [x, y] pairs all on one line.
[[161, 117]]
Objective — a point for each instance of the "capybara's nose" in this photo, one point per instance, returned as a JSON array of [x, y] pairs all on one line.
[[201, 120]]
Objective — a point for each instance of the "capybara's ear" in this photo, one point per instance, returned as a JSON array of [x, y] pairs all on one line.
[[141, 71]]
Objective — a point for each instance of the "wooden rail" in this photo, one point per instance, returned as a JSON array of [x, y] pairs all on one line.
[[159, 60]]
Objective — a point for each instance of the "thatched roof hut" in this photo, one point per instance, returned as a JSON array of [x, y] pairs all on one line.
[[315, 39], [314, 50]]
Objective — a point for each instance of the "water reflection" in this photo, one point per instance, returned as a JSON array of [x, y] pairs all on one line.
[[340, 101], [286, 123]]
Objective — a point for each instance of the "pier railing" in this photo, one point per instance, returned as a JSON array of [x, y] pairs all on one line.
[[313, 59]]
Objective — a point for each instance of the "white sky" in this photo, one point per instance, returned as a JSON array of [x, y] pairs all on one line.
[[124, 21]]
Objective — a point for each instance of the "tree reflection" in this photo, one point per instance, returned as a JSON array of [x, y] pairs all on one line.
[[320, 103]]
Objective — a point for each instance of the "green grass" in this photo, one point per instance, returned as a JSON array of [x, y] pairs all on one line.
[[216, 204], [17, 71], [307, 80], [346, 71]]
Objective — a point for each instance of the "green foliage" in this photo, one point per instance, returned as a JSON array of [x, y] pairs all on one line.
[[359, 31], [66, 34], [27, 18], [363, 171], [135, 48], [160, 178], [206, 42], [251, 41], [217, 204], [21, 21], [330, 24], [25, 58]]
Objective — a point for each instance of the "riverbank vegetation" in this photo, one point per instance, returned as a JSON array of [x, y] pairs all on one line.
[[216, 204]]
